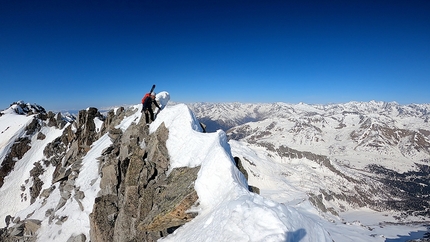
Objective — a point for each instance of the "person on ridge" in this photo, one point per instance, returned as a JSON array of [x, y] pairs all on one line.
[[147, 107]]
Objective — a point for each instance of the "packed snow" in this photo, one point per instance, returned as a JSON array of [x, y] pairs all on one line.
[[227, 211]]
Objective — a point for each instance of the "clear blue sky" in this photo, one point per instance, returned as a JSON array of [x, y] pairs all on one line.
[[75, 54]]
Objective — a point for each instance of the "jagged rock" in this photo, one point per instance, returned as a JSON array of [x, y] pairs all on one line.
[[37, 183], [79, 195], [49, 212], [21, 231], [41, 136], [33, 127], [61, 220], [56, 120], [85, 124], [254, 189], [109, 183], [26, 108], [46, 192], [31, 226], [17, 151], [60, 173], [102, 219], [68, 136], [114, 133], [78, 144], [239, 166], [17, 230], [61, 203], [51, 119], [35, 189], [54, 151], [156, 146], [112, 119], [78, 238], [172, 201], [138, 201], [8, 219], [74, 142]]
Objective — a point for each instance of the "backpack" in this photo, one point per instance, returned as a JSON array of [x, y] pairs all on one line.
[[145, 97]]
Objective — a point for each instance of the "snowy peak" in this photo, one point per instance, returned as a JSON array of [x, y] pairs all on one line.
[[23, 108]]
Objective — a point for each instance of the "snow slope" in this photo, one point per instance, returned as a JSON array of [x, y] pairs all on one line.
[[12, 126]]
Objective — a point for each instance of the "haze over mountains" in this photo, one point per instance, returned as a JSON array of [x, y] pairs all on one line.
[[357, 171]]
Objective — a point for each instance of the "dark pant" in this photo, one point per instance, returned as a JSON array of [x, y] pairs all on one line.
[[147, 113]]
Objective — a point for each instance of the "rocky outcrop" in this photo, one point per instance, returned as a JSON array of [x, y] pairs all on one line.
[[22, 144], [21, 231], [138, 200], [17, 151], [239, 165], [21, 107], [65, 154]]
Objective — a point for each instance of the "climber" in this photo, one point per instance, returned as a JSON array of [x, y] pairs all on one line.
[[147, 107]]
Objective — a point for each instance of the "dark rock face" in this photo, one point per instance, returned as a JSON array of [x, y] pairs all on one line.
[[33, 127], [37, 183], [242, 169], [17, 151]]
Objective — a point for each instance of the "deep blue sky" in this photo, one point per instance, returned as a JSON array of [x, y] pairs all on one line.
[[75, 54]]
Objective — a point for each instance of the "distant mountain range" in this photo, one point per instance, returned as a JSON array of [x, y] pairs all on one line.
[[343, 156]]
